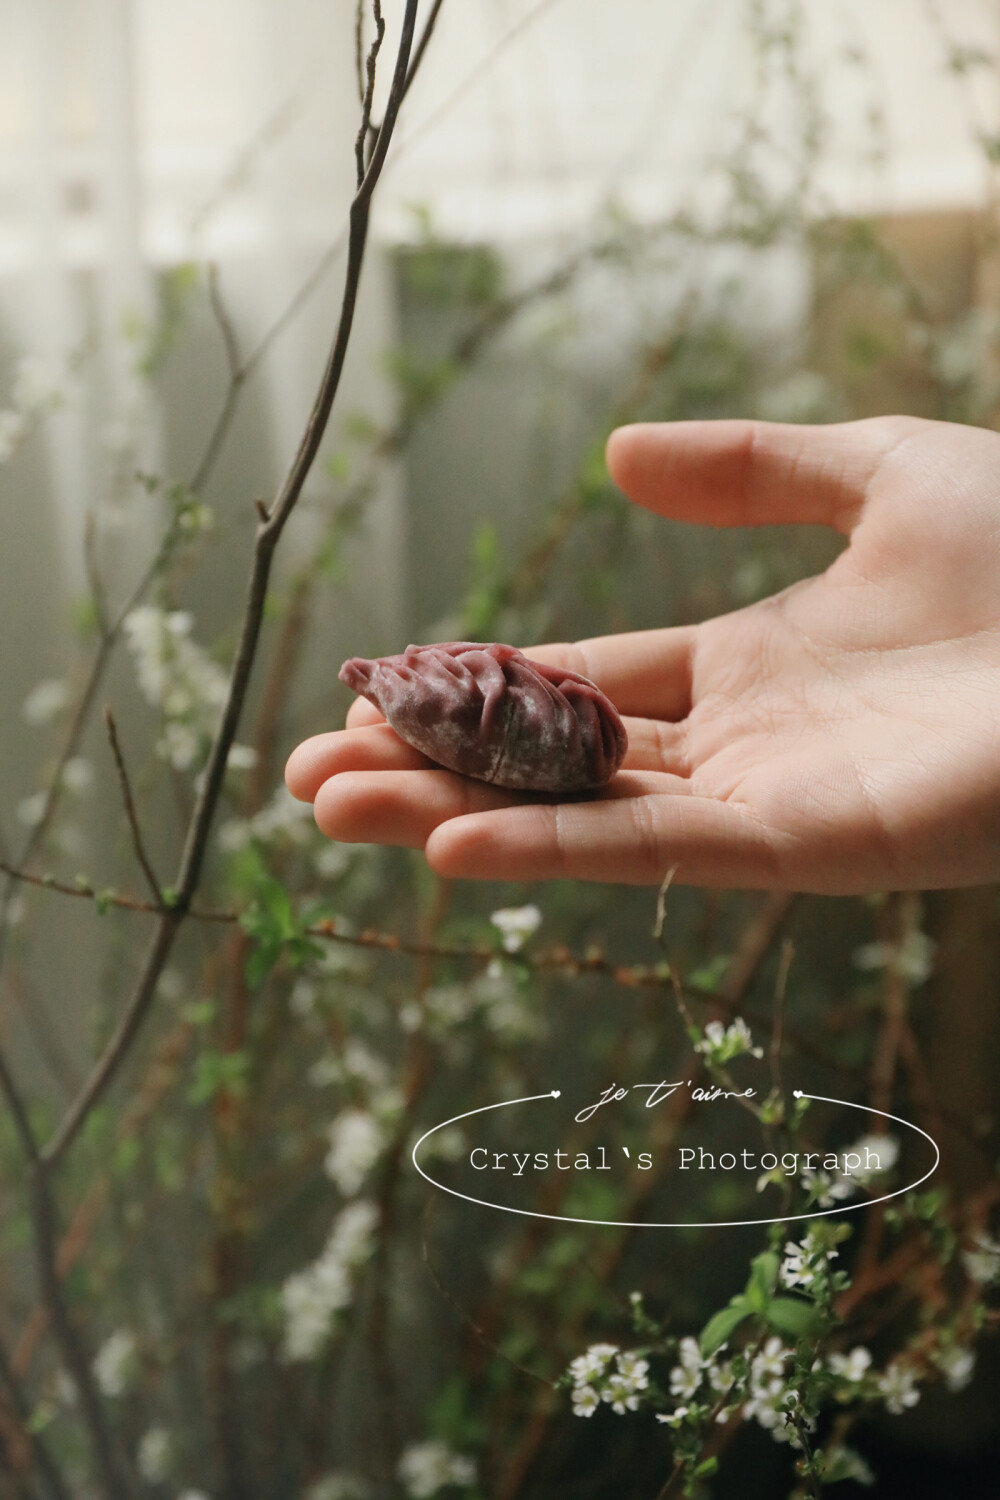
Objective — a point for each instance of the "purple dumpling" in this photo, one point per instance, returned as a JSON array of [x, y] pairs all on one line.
[[489, 712]]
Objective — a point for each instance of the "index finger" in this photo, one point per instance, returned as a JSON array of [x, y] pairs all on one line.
[[647, 674], [736, 472]]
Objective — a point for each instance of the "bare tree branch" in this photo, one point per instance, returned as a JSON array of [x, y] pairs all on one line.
[[130, 812]]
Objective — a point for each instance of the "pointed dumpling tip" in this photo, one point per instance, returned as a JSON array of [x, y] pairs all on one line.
[[356, 673]]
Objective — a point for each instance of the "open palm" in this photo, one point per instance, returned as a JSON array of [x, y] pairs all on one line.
[[842, 736]]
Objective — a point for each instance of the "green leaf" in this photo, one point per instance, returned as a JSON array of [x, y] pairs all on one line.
[[723, 1324], [763, 1275], [710, 975], [219, 1070], [800, 1320], [198, 1012]]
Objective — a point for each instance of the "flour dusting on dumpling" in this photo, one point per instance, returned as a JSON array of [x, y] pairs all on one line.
[[487, 711]]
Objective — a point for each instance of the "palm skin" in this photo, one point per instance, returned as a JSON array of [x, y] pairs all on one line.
[[842, 736]]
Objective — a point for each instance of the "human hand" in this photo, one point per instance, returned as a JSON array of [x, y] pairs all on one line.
[[842, 736]]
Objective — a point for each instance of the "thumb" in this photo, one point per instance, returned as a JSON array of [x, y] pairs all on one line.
[[744, 473]]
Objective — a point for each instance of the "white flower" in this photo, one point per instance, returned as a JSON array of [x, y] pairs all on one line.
[[898, 1386], [284, 815], [516, 923], [956, 1365], [673, 1418], [853, 1366], [585, 1401], [352, 1232], [155, 1455], [193, 1495], [685, 1378], [312, 1297], [913, 959], [176, 676], [982, 1265], [879, 1153], [794, 1270], [634, 1369], [621, 1394], [45, 702], [721, 1044], [356, 1139], [689, 1354], [720, 1377], [178, 745], [764, 1406], [309, 1300], [768, 1364], [426, 1468], [769, 1397], [803, 1262], [241, 758], [825, 1189], [31, 810], [592, 1364], [114, 1363], [77, 774]]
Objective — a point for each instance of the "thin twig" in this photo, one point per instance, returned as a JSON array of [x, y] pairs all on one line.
[[366, 128], [661, 904], [482, 1337], [359, 48], [221, 314], [421, 47], [130, 812]]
